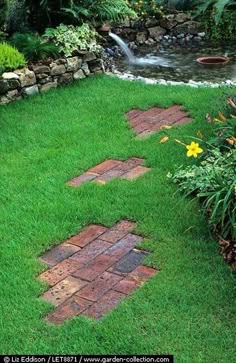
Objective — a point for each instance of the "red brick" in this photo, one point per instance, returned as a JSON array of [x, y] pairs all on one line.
[[126, 244], [76, 182], [104, 305], [58, 254], [69, 309], [63, 290], [89, 234], [134, 113], [91, 251], [111, 174], [118, 231], [142, 274], [165, 114], [136, 172], [59, 272], [175, 117], [142, 127], [104, 167], [126, 286], [96, 289], [145, 116], [95, 268]]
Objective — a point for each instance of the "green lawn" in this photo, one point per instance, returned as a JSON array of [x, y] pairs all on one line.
[[188, 309]]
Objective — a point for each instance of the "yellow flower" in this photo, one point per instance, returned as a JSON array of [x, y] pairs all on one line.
[[193, 149]]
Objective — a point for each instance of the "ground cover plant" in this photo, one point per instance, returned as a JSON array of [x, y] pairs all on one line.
[[10, 58], [188, 308]]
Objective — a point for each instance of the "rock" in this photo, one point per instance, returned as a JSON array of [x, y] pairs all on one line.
[[4, 87], [27, 77], [191, 27], [41, 76], [13, 84], [141, 37], [61, 61], [46, 87], [13, 95], [73, 64], [202, 34], [41, 69], [30, 91], [4, 100], [79, 75], [58, 70], [10, 75], [125, 23], [89, 57], [151, 22], [65, 78], [96, 66], [85, 69], [182, 17], [156, 32], [168, 22]]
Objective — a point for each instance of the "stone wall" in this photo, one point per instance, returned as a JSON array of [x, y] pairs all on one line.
[[177, 28], [44, 76]]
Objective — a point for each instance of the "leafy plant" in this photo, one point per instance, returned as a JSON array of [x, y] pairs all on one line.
[[70, 39], [10, 58], [44, 13], [147, 8], [217, 7], [214, 184], [34, 47]]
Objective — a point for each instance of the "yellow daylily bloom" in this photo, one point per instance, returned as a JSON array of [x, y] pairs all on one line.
[[193, 149]]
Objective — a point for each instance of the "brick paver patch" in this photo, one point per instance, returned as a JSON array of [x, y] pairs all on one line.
[[145, 123], [110, 169], [90, 273]]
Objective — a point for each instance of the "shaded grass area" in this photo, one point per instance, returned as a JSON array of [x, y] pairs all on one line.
[[188, 309]]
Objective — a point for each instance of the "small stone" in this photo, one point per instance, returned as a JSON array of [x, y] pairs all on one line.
[[27, 77], [85, 69], [38, 69], [73, 64], [79, 75], [202, 34], [30, 91], [46, 87], [58, 69], [89, 57], [156, 32], [10, 75], [141, 37], [65, 78]]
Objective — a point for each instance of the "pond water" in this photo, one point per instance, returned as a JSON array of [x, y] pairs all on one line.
[[180, 64]]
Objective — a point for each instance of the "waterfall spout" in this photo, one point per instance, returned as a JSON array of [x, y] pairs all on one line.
[[124, 47]]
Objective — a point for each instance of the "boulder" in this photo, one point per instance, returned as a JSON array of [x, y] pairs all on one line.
[[4, 86], [182, 17], [73, 64], [26, 77], [96, 66], [65, 78], [156, 32]]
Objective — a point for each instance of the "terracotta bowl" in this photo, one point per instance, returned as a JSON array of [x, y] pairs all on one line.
[[213, 61]]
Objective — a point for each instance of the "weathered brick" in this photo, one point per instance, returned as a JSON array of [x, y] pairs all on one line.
[[63, 290], [58, 254], [118, 231], [126, 285], [111, 174], [104, 167], [96, 289], [76, 182], [134, 113], [141, 127], [89, 234], [130, 261], [104, 305], [136, 172], [142, 274], [126, 244], [91, 251], [59, 272], [69, 309], [95, 268]]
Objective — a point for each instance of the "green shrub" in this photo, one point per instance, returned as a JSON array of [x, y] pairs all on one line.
[[10, 58], [33, 47], [70, 39], [147, 8]]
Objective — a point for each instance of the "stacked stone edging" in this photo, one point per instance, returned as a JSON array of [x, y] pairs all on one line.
[[41, 77], [177, 28]]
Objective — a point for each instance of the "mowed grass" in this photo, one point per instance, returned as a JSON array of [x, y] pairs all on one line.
[[188, 309]]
